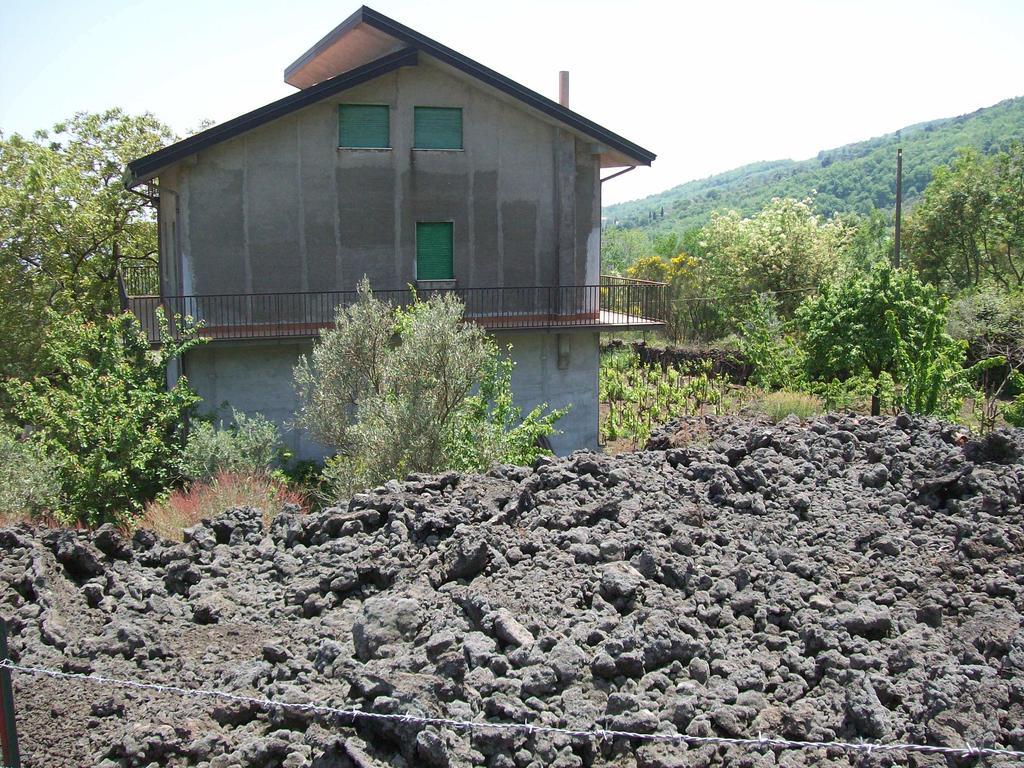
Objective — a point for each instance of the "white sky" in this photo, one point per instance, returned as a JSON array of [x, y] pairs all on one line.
[[707, 86]]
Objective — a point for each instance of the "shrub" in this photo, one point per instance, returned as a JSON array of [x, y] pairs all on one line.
[[886, 322], [250, 445], [1014, 412], [852, 394], [206, 499], [776, 360], [104, 413], [29, 487], [389, 389], [778, 405], [991, 321], [491, 428]]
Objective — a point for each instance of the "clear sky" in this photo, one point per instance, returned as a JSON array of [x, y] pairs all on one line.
[[707, 86]]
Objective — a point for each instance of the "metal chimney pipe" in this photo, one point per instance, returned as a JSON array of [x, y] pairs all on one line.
[[563, 88]]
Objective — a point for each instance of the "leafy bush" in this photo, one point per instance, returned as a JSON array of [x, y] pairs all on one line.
[[885, 322], [29, 487], [775, 358], [778, 405], [1014, 412], [250, 445], [104, 413], [389, 389], [182, 508], [491, 428]]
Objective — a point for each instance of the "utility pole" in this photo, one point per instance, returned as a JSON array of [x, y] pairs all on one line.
[[899, 205], [8, 730]]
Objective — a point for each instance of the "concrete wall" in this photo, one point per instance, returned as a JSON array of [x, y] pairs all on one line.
[[257, 377], [282, 208], [538, 377], [253, 377]]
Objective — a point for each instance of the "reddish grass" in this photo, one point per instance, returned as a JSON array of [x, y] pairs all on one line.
[[202, 500]]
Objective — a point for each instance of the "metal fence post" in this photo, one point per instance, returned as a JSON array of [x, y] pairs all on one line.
[[8, 729]]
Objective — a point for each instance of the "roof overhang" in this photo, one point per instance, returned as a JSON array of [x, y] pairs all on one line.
[[367, 34]]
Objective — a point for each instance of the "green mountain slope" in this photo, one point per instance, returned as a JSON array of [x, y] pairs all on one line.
[[852, 178]]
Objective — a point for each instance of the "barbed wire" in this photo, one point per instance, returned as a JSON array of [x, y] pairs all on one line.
[[597, 733]]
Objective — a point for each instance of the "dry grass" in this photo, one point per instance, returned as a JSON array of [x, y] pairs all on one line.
[[778, 405], [48, 520], [185, 507]]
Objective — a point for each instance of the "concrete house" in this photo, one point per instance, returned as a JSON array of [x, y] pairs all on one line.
[[405, 161]]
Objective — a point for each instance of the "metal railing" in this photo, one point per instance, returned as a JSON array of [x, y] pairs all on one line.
[[140, 279], [618, 302]]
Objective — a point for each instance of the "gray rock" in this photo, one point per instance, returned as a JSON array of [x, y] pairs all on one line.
[[511, 632], [109, 541], [633, 592], [620, 582], [385, 620], [868, 620]]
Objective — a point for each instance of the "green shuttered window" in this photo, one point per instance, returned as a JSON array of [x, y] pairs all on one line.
[[363, 126], [434, 246], [438, 128]]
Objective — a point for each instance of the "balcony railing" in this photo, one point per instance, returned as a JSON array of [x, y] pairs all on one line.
[[617, 302], [140, 279]]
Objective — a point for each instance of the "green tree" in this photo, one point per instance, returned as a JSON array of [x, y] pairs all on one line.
[[870, 240], [621, 247], [783, 249], [969, 228], [883, 323], [67, 222], [104, 413]]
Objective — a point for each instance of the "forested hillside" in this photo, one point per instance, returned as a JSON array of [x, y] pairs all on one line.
[[852, 178]]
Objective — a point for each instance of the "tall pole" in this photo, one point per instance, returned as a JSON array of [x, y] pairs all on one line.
[[899, 205], [8, 732]]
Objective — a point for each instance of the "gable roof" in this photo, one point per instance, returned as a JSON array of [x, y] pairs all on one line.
[[341, 53], [368, 29], [147, 167]]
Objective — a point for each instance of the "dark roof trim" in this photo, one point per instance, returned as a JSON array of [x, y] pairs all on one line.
[[443, 53], [352, 21], [147, 167]]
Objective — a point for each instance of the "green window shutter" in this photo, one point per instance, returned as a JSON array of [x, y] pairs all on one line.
[[363, 125], [434, 246], [438, 128]]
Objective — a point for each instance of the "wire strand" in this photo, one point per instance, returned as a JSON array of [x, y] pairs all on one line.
[[761, 742]]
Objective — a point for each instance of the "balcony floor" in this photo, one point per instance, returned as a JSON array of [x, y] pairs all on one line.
[[606, 320]]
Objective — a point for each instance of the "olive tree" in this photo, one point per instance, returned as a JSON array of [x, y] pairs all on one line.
[[390, 390]]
